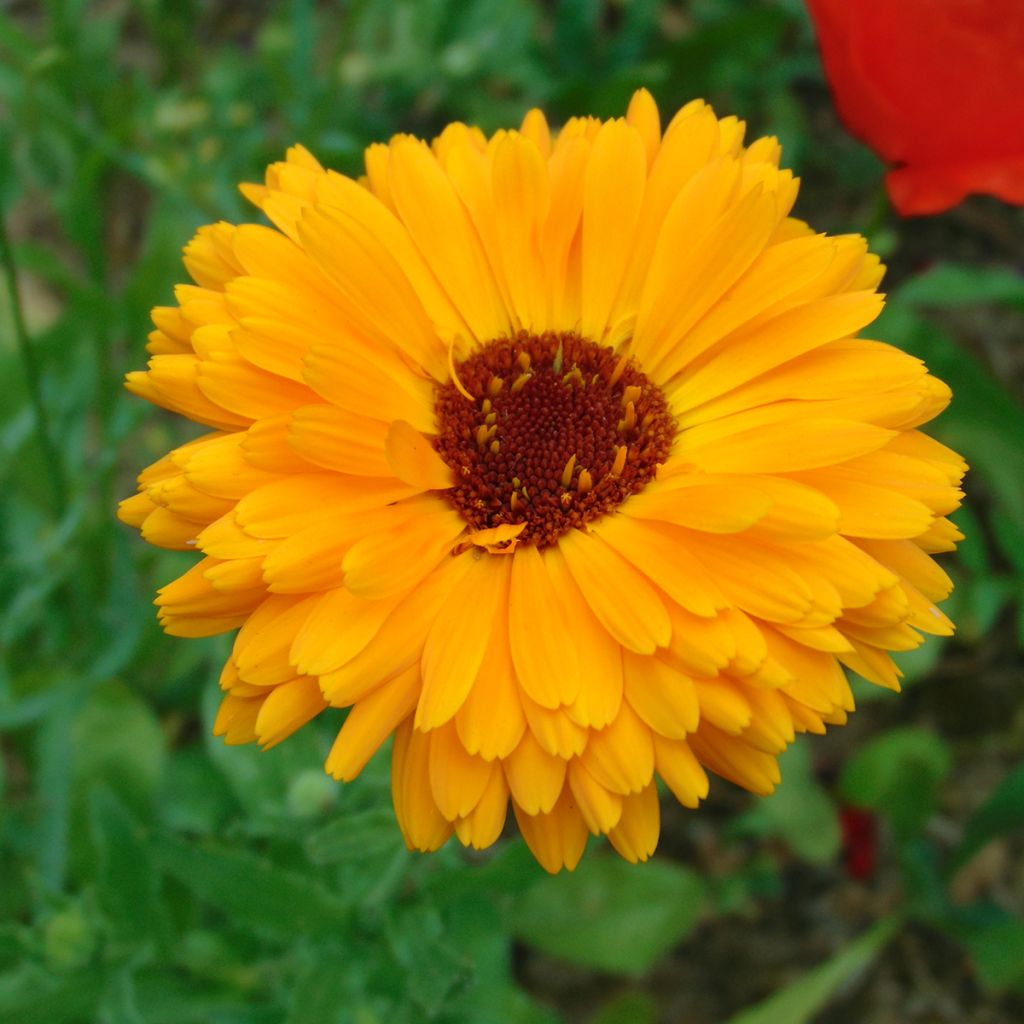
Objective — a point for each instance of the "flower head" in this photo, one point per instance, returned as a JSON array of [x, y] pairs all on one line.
[[555, 457], [936, 89]]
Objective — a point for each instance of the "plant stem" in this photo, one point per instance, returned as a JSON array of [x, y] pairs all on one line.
[[33, 379]]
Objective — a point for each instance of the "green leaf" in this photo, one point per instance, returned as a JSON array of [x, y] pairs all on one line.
[[251, 891], [950, 284], [628, 1008], [800, 811], [997, 951], [321, 990], [351, 836], [127, 883], [30, 996], [611, 915], [799, 1002], [118, 741], [898, 775], [1000, 814], [194, 797], [432, 970]]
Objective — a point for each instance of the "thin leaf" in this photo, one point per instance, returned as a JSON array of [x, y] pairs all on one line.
[[799, 1002], [1001, 814]]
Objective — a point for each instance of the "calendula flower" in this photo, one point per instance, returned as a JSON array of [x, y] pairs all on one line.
[[936, 89], [554, 457]]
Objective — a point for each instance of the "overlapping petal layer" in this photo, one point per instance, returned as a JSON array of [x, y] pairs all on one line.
[[699, 625]]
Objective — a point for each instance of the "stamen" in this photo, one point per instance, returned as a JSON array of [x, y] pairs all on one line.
[[567, 472], [454, 375], [631, 394], [620, 461], [620, 369], [518, 453]]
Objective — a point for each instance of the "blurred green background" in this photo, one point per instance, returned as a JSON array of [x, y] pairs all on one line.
[[150, 874]]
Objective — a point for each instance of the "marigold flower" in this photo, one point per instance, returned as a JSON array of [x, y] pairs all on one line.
[[555, 457], [936, 89]]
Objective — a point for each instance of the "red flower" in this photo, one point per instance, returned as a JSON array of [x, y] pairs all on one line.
[[860, 841], [936, 88]]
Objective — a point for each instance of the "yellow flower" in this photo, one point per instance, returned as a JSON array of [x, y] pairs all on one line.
[[555, 456]]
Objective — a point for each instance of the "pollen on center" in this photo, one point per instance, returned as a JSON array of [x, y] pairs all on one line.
[[558, 430]]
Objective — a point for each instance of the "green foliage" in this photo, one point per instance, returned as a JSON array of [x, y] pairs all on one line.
[[800, 811], [899, 775], [610, 915], [1000, 815], [798, 1002], [152, 874]]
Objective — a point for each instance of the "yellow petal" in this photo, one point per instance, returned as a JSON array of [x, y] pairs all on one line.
[[338, 439], [635, 837], [759, 442], [664, 698], [621, 756], [370, 722], [285, 506], [423, 826], [711, 504], [601, 809], [522, 195], [723, 704], [399, 641], [483, 825], [286, 709], [236, 719], [612, 195], [680, 771], [598, 653], [443, 233], [557, 731], [395, 559], [754, 578], [457, 639], [413, 460], [748, 353], [642, 114], [681, 288], [380, 297], [457, 778], [733, 759], [556, 839], [262, 646], [491, 722], [542, 646], [339, 627], [534, 776], [661, 553], [241, 388], [619, 596]]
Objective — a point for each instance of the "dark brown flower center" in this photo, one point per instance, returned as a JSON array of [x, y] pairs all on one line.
[[558, 431]]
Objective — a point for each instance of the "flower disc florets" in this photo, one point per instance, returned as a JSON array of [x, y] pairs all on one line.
[[557, 431]]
